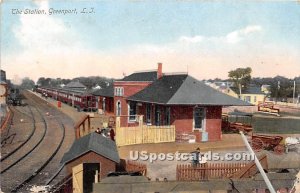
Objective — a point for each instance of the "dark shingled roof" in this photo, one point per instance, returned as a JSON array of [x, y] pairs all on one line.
[[186, 90], [107, 92], [92, 142], [141, 76], [75, 85], [248, 90]]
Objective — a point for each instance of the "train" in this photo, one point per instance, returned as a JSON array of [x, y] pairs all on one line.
[[77, 98]]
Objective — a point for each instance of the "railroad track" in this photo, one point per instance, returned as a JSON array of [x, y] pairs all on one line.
[[4, 137], [37, 173], [16, 109], [48, 142], [24, 142], [16, 161]]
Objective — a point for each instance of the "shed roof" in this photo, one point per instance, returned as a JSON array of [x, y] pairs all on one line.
[[141, 76], [186, 90], [92, 142], [107, 92]]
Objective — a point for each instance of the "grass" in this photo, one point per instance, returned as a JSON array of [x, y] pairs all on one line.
[[276, 125], [272, 124]]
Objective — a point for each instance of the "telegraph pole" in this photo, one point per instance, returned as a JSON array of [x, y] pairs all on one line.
[[278, 87], [294, 90]]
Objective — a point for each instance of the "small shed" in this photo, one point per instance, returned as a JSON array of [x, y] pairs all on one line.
[[92, 148]]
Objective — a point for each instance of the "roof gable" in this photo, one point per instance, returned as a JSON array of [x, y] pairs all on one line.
[[160, 91], [75, 85], [92, 142], [141, 76], [184, 89]]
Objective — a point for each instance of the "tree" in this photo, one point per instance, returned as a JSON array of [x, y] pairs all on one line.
[[41, 81], [27, 83], [241, 77]]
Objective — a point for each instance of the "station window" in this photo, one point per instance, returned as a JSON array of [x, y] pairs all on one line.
[[157, 115], [168, 116], [148, 113], [103, 104], [118, 112], [119, 91], [132, 111], [199, 118]]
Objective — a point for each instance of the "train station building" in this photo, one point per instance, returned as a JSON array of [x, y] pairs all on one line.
[[168, 99]]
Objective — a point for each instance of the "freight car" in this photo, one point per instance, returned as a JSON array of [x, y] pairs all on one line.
[[77, 98]]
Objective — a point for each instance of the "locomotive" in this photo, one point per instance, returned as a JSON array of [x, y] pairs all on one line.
[[14, 97]]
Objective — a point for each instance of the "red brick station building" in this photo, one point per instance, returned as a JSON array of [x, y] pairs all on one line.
[[167, 99]]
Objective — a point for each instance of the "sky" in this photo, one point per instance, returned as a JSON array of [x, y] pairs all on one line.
[[204, 38]]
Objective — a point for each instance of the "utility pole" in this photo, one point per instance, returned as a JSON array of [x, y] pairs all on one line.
[[294, 90], [240, 89], [278, 87]]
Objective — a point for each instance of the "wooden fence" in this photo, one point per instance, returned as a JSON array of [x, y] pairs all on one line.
[[141, 133], [144, 134], [188, 172], [237, 170]]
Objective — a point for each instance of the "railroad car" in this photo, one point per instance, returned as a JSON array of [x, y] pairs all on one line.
[[80, 99]]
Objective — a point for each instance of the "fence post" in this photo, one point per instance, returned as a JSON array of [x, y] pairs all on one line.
[[118, 132], [118, 122], [89, 123], [140, 120]]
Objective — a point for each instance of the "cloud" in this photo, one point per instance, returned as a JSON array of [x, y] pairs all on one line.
[[238, 35], [53, 49], [195, 39], [231, 38], [43, 33]]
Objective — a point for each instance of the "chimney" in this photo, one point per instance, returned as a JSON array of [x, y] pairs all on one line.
[[159, 71]]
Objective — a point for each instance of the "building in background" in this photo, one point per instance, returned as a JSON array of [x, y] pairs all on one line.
[[2, 75], [252, 94]]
